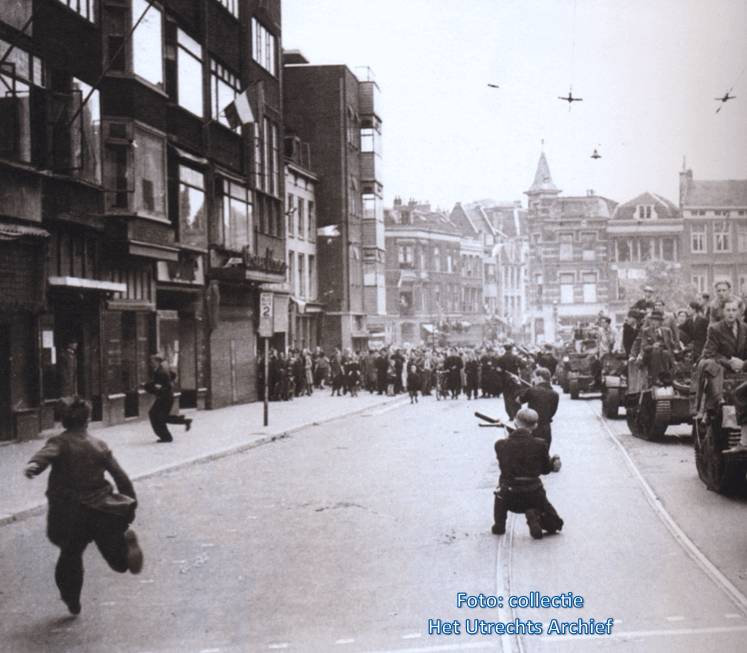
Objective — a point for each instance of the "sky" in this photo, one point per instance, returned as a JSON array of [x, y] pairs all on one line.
[[648, 72]]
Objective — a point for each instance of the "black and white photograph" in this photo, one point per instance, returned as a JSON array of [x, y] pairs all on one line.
[[345, 326]]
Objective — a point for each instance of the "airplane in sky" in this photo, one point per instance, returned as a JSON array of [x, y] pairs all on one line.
[[724, 100], [570, 98]]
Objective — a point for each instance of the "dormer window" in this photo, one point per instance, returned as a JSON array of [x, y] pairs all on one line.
[[645, 211]]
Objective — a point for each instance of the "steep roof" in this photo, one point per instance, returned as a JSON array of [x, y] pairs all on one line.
[[729, 192], [509, 221], [542, 178], [589, 206], [463, 220], [665, 209], [404, 219], [481, 221]]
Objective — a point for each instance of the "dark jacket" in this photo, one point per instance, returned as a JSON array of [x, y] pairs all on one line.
[[543, 399], [79, 462], [649, 336], [694, 331], [162, 383], [720, 343], [522, 459], [629, 334]]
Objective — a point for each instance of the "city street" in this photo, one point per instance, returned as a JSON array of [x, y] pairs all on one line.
[[359, 534]]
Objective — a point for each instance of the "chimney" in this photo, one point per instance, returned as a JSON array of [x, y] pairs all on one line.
[[686, 181]]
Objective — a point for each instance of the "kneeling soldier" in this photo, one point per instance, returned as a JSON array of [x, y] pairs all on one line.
[[523, 459]]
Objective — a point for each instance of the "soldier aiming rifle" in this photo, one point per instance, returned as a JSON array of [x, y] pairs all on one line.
[[523, 459]]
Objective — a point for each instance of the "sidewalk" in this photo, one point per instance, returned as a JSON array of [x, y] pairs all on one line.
[[214, 434]]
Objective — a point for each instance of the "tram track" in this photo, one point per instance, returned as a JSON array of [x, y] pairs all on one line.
[[739, 599], [505, 546]]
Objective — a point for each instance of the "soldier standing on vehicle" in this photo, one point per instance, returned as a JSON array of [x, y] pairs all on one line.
[[523, 459]]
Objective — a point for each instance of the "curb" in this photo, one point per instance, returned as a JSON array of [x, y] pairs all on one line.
[[40, 508]]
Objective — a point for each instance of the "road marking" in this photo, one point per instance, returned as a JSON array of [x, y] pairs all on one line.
[[412, 636], [344, 641], [675, 618], [679, 535], [503, 571], [732, 616], [284, 645]]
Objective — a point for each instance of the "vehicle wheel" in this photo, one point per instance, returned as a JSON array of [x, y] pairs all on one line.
[[653, 417], [722, 474], [573, 388], [610, 402]]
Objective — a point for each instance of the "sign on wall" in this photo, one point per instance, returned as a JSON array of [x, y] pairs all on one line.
[[265, 315]]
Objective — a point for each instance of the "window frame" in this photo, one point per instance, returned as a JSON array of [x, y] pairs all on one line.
[[91, 7], [151, 49], [230, 190], [221, 76], [567, 284], [264, 47], [590, 281], [698, 237], [722, 237], [191, 232], [231, 6], [565, 246], [742, 238], [185, 53]]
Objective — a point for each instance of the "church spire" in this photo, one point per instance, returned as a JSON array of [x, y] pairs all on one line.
[[542, 179]]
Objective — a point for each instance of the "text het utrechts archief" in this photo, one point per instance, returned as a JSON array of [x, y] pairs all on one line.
[[518, 626]]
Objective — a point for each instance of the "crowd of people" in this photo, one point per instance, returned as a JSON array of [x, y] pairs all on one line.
[[488, 370]]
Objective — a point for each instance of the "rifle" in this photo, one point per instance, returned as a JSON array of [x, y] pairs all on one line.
[[517, 377], [495, 422], [556, 464]]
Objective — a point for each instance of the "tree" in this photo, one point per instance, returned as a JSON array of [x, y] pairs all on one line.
[[669, 285]]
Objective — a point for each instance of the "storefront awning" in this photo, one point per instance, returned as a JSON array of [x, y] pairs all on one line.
[[428, 327], [79, 283], [9, 231]]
